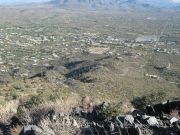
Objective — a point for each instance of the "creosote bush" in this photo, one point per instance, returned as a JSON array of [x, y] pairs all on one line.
[[149, 99]]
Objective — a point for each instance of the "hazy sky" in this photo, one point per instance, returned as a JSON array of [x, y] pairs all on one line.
[[29, 1], [176, 1], [20, 1]]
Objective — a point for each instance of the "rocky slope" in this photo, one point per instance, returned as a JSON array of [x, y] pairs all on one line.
[[90, 119]]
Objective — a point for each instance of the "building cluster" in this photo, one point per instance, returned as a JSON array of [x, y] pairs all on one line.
[[23, 47]]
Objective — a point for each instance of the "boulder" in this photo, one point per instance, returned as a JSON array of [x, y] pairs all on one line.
[[31, 130], [173, 120], [151, 120], [130, 119]]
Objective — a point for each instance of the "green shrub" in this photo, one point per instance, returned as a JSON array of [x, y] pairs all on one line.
[[111, 111], [149, 99], [19, 86], [14, 96], [34, 101], [53, 97]]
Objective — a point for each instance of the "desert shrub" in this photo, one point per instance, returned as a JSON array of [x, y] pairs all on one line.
[[14, 96], [111, 111], [53, 97], [39, 113], [149, 99], [18, 86], [34, 101]]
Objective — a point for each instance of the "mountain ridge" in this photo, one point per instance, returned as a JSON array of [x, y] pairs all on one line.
[[115, 4]]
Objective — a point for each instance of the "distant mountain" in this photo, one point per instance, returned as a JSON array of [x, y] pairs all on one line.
[[102, 4], [115, 4]]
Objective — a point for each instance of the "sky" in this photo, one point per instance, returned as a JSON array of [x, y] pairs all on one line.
[[20, 1], [29, 1], [176, 1]]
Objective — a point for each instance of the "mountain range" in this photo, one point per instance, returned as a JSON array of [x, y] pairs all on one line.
[[116, 4], [100, 4]]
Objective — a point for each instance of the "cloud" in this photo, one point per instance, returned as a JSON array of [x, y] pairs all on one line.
[[176, 1]]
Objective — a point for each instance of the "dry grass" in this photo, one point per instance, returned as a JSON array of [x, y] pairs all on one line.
[[45, 123], [127, 107], [58, 128], [64, 105], [8, 110]]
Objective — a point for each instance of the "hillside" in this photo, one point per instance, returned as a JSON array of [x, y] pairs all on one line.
[[66, 70]]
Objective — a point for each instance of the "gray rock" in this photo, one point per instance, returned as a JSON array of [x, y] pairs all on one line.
[[173, 120], [120, 121], [112, 129], [54, 117], [130, 119], [78, 111], [62, 114], [177, 124], [151, 120], [74, 123], [31, 130]]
